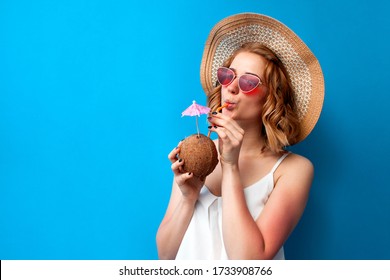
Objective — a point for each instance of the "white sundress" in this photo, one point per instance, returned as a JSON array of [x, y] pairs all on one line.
[[203, 239]]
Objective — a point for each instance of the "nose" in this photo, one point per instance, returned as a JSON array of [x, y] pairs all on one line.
[[233, 87]]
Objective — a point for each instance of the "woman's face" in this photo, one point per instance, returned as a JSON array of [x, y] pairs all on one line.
[[245, 106]]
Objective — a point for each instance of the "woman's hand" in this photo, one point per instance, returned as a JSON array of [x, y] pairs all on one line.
[[189, 184], [230, 136]]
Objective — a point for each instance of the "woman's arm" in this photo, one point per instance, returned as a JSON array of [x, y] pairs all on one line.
[[246, 238], [174, 224], [185, 192]]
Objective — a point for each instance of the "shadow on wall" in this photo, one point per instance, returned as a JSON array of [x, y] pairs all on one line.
[[311, 237]]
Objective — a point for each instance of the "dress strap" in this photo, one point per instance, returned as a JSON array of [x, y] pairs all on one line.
[[279, 162]]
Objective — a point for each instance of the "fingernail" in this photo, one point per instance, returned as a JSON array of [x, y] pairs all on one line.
[[214, 113]]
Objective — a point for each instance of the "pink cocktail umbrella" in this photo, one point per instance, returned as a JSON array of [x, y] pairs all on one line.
[[195, 110]]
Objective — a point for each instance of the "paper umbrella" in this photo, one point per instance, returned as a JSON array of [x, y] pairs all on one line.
[[195, 110]]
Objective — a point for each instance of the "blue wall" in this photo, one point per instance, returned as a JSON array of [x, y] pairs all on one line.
[[91, 95]]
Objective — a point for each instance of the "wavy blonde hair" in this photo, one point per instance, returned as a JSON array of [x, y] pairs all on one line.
[[281, 126]]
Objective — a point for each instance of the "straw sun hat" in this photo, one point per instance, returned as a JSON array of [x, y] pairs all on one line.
[[302, 66]]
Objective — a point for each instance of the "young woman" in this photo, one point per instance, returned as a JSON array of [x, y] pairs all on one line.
[[247, 207]]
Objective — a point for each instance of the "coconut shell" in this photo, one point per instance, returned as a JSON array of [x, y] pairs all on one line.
[[199, 154]]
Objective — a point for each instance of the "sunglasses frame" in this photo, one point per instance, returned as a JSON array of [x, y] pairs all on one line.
[[239, 77]]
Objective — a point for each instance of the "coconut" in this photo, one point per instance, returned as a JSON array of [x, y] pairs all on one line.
[[199, 154]]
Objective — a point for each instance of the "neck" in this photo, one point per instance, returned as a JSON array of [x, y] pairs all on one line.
[[253, 142]]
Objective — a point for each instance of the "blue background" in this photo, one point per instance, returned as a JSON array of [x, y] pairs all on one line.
[[91, 95]]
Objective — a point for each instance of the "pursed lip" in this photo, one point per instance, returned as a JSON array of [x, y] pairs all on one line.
[[230, 104], [227, 101]]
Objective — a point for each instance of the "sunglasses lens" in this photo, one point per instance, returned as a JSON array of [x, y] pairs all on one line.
[[248, 82], [225, 76]]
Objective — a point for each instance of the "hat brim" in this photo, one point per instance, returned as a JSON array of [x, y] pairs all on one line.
[[302, 66]]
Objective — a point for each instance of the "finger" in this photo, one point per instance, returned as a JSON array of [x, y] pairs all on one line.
[[226, 121], [172, 156], [226, 135], [181, 179], [177, 166]]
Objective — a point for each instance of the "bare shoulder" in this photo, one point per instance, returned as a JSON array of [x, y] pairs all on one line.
[[295, 161], [295, 168], [292, 183]]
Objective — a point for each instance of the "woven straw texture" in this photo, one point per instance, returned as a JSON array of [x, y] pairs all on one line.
[[301, 64]]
